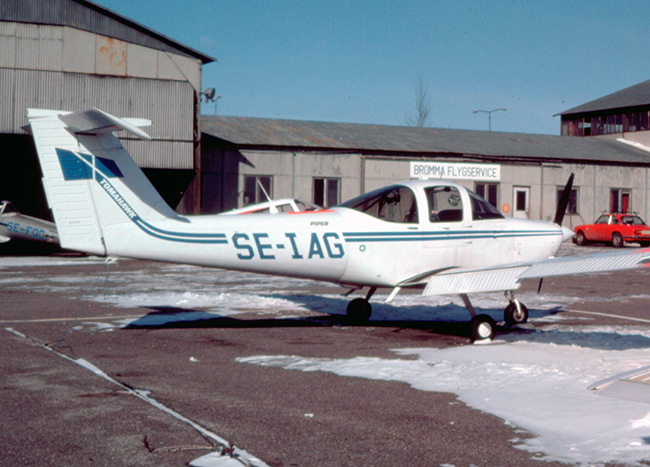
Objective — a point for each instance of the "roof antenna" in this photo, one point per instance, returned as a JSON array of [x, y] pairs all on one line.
[[272, 208]]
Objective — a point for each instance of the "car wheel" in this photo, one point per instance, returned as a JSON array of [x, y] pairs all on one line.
[[617, 240], [580, 238]]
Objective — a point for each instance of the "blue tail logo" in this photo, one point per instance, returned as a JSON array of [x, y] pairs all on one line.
[[77, 166]]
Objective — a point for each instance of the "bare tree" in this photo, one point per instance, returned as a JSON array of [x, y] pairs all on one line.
[[422, 105]]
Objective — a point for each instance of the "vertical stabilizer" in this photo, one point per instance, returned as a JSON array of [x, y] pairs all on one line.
[[81, 161]]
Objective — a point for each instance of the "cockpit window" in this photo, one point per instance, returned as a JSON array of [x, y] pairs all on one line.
[[6, 208], [481, 209], [445, 204], [391, 204]]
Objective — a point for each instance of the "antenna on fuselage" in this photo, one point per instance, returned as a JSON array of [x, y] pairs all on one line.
[[272, 208]]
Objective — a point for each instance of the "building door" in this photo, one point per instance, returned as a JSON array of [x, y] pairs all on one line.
[[521, 202], [620, 200]]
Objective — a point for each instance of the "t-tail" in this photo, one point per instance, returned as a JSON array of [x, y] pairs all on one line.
[[82, 161]]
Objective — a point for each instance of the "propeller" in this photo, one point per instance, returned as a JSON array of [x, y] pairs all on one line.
[[564, 202], [559, 214]]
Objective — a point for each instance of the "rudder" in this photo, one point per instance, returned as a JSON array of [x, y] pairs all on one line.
[[80, 157]]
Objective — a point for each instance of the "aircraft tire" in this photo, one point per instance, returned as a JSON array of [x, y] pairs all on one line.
[[483, 327], [359, 310], [512, 317]]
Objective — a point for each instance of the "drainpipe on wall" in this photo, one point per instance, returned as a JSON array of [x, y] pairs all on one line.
[[293, 174]]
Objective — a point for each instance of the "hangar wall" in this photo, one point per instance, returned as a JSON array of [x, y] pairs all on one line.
[[63, 68], [292, 175]]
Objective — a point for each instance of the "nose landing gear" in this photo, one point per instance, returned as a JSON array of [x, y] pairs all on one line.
[[515, 312]]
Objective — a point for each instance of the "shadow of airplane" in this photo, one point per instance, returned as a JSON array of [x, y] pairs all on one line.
[[449, 319]]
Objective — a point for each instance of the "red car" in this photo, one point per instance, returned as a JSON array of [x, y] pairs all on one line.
[[614, 228]]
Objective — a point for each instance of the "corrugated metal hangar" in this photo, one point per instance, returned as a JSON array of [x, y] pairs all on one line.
[[75, 54]]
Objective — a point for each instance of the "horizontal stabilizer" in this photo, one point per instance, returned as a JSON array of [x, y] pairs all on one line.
[[4, 239], [94, 121]]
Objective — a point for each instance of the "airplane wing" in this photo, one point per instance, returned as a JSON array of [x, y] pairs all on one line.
[[509, 277]]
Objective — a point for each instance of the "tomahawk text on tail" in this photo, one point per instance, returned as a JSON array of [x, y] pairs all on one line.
[[433, 234]]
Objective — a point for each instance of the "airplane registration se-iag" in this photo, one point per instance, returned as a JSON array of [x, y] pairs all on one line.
[[433, 234]]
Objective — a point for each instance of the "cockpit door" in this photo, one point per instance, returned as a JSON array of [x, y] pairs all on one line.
[[445, 238]]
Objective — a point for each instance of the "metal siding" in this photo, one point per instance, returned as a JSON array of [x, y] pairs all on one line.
[[26, 94], [161, 154], [92, 18], [7, 101], [51, 48], [169, 105], [7, 44]]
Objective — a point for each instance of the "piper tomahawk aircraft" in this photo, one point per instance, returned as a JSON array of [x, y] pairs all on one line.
[[19, 226], [435, 234]]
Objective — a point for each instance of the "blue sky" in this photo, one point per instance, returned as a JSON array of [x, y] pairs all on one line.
[[358, 61]]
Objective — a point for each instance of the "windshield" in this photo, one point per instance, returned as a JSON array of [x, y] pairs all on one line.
[[391, 204], [6, 207], [481, 209], [304, 206]]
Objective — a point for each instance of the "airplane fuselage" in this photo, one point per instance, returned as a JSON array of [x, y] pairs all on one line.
[[341, 244]]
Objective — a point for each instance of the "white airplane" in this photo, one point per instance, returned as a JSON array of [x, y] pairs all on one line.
[[432, 234], [14, 225]]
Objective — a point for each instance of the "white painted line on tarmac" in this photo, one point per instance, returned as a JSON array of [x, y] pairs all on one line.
[[213, 459], [51, 320], [608, 315]]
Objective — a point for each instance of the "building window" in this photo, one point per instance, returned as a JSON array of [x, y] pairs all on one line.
[[326, 192], [620, 200], [572, 207], [606, 124], [489, 192], [253, 192]]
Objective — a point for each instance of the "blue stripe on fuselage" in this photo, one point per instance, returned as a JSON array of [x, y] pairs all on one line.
[[357, 237], [186, 237]]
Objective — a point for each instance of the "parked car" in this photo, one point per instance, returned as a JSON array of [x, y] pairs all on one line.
[[614, 228]]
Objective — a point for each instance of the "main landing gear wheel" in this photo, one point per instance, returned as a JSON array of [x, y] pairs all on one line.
[[359, 310], [513, 316], [483, 327]]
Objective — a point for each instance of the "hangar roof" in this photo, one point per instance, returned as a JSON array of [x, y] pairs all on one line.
[[261, 133], [92, 17], [634, 96]]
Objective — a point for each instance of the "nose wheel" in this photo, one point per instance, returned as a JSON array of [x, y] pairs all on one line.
[[515, 312]]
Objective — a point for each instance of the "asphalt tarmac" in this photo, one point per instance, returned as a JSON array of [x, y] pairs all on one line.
[[56, 412]]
